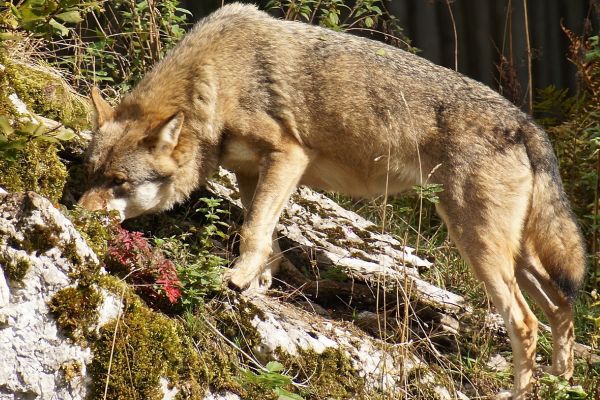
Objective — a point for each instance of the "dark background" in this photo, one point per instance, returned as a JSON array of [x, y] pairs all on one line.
[[484, 28]]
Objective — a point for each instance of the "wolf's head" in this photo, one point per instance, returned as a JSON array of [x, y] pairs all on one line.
[[137, 162]]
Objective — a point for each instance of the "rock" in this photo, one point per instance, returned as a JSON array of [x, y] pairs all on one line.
[[222, 396], [33, 354], [498, 363], [40, 250]]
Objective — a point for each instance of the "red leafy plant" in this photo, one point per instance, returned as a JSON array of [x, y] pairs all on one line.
[[147, 269]]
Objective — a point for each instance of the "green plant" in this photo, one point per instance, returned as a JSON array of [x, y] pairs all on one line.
[[214, 226], [555, 388], [199, 270], [363, 16], [429, 191], [16, 135], [44, 18], [272, 377]]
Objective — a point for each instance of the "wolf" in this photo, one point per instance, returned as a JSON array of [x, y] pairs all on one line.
[[283, 104]]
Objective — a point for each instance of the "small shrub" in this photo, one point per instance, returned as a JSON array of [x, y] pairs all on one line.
[[556, 388], [198, 268], [153, 275], [369, 17]]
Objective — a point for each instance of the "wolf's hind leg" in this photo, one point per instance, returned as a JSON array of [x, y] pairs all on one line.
[[533, 278], [493, 264], [485, 214], [279, 173]]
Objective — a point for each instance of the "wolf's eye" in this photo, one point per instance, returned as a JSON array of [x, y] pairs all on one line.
[[117, 181]]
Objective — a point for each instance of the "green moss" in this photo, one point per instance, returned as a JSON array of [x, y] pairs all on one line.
[[40, 238], [75, 310], [37, 167], [44, 92], [71, 370], [96, 227], [14, 269], [213, 363], [147, 346], [334, 273], [235, 322], [330, 374]]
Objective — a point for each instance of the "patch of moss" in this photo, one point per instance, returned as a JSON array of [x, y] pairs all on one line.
[[14, 269], [76, 310], [212, 363], [44, 92], [330, 374], [235, 322], [71, 370], [37, 167], [334, 273], [96, 227], [40, 238], [147, 346]]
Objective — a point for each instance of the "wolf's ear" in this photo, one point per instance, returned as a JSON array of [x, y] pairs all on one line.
[[104, 111], [168, 136]]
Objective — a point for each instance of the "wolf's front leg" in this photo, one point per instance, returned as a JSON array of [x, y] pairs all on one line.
[[279, 174], [247, 185]]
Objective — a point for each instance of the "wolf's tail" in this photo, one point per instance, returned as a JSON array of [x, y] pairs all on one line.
[[551, 229]]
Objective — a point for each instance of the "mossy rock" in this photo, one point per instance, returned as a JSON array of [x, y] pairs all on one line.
[[147, 345], [96, 227], [37, 166], [43, 91], [75, 309], [15, 269]]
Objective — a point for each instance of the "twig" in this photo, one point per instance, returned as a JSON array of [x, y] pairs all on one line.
[[529, 76], [379, 32], [235, 346], [455, 35], [112, 348], [507, 29]]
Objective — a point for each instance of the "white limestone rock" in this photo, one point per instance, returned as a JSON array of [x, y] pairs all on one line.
[[33, 354]]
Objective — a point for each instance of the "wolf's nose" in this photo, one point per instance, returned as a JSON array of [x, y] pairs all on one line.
[[93, 200]]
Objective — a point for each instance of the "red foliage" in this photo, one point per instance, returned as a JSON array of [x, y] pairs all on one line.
[[153, 275]]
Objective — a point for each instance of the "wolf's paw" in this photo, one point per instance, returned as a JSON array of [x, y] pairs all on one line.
[[244, 277], [238, 279], [560, 370]]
